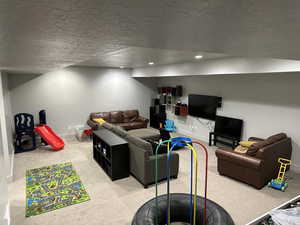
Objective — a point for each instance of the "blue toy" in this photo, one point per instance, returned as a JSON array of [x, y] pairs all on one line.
[[279, 183], [169, 126], [180, 142]]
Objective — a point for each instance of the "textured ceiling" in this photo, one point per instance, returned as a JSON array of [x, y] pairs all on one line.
[[134, 57], [41, 35]]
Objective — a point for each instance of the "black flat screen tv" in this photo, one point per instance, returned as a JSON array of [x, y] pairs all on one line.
[[229, 126], [203, 106]]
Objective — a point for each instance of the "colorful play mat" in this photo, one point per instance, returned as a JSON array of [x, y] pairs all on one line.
[[53, 187]]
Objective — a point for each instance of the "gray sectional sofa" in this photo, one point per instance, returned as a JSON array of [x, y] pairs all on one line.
[[142, 159]]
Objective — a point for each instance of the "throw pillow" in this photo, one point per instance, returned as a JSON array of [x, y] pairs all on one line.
[[99, 120], [247, 143], [241, 149]]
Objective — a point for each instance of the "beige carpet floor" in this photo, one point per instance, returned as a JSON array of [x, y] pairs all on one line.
[[115, 203]]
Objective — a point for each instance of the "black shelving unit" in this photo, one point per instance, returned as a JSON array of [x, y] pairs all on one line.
[[111, 153]]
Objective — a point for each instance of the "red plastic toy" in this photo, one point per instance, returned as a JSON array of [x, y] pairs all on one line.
[[50, 137]]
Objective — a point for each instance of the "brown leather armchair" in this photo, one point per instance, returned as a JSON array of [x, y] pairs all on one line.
[[260, 164], [128, 119]]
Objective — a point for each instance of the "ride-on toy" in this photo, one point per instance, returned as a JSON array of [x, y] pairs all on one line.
[[279, 183]]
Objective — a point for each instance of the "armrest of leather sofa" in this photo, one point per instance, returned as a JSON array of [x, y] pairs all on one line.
[[239, 159], [93, 124], [255, 139], [142, 119]]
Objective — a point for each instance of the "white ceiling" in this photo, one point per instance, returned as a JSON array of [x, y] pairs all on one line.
[[42, 35], [135, 57]]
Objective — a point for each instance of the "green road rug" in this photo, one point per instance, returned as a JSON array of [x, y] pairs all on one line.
[[53, 187]]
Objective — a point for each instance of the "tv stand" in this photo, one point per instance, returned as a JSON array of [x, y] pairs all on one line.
[[228, 140]]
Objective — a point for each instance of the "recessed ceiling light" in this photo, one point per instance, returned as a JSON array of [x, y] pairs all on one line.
[[198, 56], [151, 63]]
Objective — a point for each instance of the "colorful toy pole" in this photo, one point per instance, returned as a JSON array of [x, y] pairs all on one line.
[[191, 190], [168, 186], [196, 178], [194, 210], [206, 169], [156, 176]]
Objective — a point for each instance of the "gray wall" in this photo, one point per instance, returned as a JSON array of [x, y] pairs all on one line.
[[268, 104], [69, 95]]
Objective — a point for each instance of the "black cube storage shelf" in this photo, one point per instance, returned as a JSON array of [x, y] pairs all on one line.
[[111, 153]]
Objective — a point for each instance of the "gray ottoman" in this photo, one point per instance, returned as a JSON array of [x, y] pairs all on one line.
[[145, 133]]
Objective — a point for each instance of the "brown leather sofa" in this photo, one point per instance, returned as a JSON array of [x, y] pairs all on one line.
[[260, 164], [128, 119]]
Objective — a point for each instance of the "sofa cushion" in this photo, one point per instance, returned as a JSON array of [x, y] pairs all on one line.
[[252, 150], [119, 131], [140, 143], [116, 117], [277, 137], [137, 125], [246, 143], [131, 125], [145, 133], [103, 115], [130, 115]]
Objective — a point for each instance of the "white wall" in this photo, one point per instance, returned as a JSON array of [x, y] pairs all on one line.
[[8, 122], [4, 159], [268, 104], [70, 95], [3, 186]]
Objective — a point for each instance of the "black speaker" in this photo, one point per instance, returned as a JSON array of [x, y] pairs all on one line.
[[173, 92], [162, 109], [178, 90], [219, 102], [177, 110], [154, 117], [155, 101]]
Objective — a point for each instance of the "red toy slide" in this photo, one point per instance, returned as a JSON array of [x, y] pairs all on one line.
[[50, 137]]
